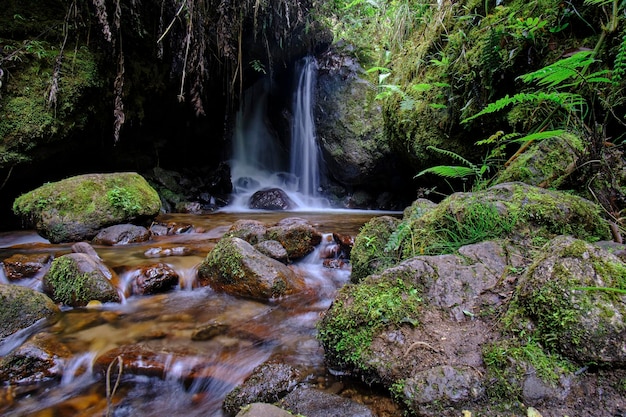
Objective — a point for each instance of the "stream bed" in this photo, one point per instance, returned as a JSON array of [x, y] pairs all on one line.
[[171, 371]]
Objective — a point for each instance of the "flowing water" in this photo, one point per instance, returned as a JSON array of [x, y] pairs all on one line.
[[166, 371], [259, 161]]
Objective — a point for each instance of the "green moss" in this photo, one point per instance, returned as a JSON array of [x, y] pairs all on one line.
[[360, 312], [225, 260], [508, 361], [67, 284], [368, 255]]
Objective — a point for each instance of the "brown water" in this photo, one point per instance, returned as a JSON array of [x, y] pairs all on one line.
[[168, 373]]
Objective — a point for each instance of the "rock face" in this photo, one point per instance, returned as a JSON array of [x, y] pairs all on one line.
[[22, 307], [271, 199], [235, 267], [76, 208], [349, 123], [76, 279]]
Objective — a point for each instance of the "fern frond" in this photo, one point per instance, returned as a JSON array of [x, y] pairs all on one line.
[[560, 71], [540, 135], [567, 100], [619, 66], [597, 2], [453, 155], [448, 171]]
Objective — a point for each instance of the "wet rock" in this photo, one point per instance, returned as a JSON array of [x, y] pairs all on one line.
[[39, 359], [209, 331], [263, 410], [76, 279], [252, 231], [20, 307], [296, 235], [20, 266], [268, 383], [159, 252], [314, 403], [121, 234], [271, 199], [235, 267], [154, 279], [345, 243], [572, 293], [86, 248], [273, 249], [170, 228], [441, 387], [76, 208]]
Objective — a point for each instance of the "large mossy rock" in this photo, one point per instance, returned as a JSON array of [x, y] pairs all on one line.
[[511, 210], [20, 307], [576, 294], [546, 164], [76, 208], [235, 267], [349, 123], [76, 279]]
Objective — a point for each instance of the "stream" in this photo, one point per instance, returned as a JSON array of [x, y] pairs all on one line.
[[172, 372]]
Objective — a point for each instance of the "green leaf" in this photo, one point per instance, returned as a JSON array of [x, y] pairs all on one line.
[[448, 171], [540, 136]]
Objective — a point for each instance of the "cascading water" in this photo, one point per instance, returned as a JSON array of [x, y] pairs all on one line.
[[304, 150], [260, 162]]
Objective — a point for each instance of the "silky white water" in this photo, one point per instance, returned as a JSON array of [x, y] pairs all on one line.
[[260, 161]]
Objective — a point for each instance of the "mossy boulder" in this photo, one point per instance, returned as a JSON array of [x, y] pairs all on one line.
[[349, 122], [76, 279], [576, 294], [235, 267], [20, 307], [296, 235], [547, 164], [76, 208], [368, 253], [511, 210]]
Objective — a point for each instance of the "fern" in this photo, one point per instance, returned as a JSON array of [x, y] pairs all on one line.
[[560, 71], [569, 101], [448, 171], [619, 66]]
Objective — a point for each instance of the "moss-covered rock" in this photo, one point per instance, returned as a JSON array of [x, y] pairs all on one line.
[[76, 208], [235, 267], [547, 164], [513, 210], [296, 235], [368, 253], [21, 307], [76, 279], [576, 294]]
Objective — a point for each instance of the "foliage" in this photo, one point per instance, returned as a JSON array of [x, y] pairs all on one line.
[[124, 199]]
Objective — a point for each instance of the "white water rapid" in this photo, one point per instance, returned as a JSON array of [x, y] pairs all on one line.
[[260, 162]]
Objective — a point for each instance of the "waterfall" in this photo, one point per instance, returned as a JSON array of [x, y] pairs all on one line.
[[259, 161], [303, 157]]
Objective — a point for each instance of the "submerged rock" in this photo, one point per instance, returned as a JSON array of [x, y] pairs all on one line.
[[76, 208]]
